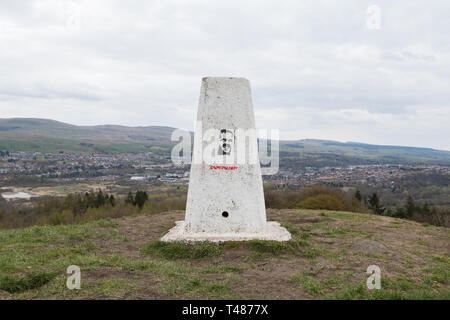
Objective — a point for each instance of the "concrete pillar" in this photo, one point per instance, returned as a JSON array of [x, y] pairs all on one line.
[[225, 196]]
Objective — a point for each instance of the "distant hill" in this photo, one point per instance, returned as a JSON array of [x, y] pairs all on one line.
[[45, 135], [354, 152], [52, 136]]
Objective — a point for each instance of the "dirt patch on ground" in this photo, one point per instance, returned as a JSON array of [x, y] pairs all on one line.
[[335, 249], [125, 284]]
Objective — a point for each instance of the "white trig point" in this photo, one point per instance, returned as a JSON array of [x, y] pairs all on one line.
[[225, 197]]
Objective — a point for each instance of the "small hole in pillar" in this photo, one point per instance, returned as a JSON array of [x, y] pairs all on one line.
[[225, 214]]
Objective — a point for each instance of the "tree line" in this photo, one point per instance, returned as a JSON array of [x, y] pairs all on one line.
[[321, 197], [410, 210], [81, 207]]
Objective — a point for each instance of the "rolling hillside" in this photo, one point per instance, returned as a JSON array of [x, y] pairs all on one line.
[[52, 136]]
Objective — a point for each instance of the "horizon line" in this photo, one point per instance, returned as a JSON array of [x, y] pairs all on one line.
[[165, 126]]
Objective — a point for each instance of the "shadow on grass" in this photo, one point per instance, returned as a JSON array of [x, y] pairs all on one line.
[[14, 284], [201, 250], [179, 250]]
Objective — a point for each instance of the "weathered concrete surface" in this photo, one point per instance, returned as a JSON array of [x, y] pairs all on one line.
[[272, 231], [225, 201]]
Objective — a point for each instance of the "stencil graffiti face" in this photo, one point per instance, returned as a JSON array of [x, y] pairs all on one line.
[[226, 138]]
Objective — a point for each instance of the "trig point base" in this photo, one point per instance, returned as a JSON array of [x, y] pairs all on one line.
[[272, 231], [225, 199]]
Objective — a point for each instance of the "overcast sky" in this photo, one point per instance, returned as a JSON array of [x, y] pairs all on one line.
[[318, 69]]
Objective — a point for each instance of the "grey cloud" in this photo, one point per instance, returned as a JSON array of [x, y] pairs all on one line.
[[140, 62]]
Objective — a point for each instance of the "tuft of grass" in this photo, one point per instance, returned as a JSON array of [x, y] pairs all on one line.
[[290, 227], [266, 246], [351, 293], [14, 284], [437, 273], [336, 232], [107, 223], [392, 289], [311, 253], [442, 258], [197, 288], [114, 288], [311, 286], [317, 287], [422, 243], [304, 235], [232, 244], [179, 250]]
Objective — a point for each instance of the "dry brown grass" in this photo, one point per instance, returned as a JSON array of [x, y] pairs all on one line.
[[322, 260]]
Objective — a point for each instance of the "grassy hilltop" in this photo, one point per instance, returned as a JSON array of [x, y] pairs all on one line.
[[327, 258]]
